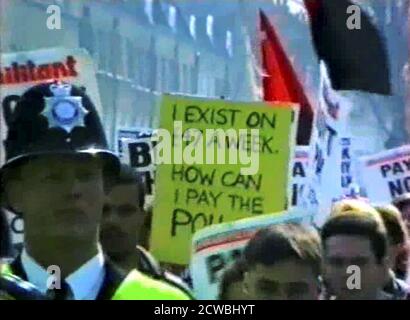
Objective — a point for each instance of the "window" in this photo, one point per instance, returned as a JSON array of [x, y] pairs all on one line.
[[139, 65], [115, 49], [195, 74], [389, 13], [16, 47], [182, 79], [172, 18], [203, 88], [219, 87], [116, 65], [151, 67], [210, 27], [102, 50], [86, 33], [124, 117], [212, 86], [86, 12], [149, 10], [131, 60], [228, 44], [185, 79], [68, 7], [192, 26], [163, 75]]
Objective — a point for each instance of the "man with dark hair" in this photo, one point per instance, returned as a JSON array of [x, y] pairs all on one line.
[[122, 226], [398, 251], [57, 163], [283, 263], [355, 255], [123, 216]]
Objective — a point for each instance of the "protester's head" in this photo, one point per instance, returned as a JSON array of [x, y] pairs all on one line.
[[56, 158], [355, 252], [283, 262], [231, 285], [396, 232], [403, 204], [123, 214], [353, 206]]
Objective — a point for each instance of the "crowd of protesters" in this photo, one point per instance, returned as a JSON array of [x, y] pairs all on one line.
[[360, 253], [90, 215]]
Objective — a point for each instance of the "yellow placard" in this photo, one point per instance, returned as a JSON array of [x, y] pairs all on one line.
[[196, 187]]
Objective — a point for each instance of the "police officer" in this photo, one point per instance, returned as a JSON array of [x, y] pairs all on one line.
[[57, 161]]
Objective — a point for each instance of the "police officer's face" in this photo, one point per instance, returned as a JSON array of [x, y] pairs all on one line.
[[61, 196], [122, 220]]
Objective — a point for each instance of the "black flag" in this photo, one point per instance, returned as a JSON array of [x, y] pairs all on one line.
[[356, 58]]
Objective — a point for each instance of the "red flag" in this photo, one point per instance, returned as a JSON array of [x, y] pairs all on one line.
[[281, 82]]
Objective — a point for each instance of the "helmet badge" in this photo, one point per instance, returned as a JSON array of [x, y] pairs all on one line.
[[62, 110]]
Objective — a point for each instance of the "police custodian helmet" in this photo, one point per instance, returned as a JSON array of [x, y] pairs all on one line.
[[55, 118]]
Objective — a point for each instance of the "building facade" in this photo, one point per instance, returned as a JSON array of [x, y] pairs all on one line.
[[141, 49]]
